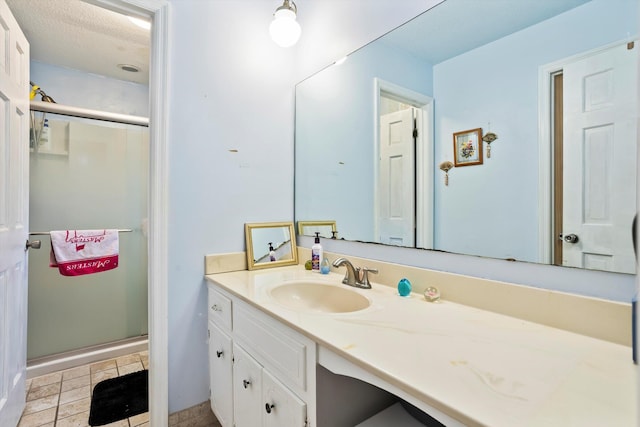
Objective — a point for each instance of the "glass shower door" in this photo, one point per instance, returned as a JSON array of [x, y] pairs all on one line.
[[88, 174]]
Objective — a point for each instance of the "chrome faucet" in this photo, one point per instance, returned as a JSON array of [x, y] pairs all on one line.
[[356, 277]]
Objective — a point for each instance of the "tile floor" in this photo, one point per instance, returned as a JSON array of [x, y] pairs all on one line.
[[63, 399]]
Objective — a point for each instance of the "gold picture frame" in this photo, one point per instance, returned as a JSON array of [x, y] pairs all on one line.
[[327, 229], [270, 244], [467, 147]]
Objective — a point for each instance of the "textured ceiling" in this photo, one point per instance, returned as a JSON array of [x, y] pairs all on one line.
[[82, 36], [78, 35]]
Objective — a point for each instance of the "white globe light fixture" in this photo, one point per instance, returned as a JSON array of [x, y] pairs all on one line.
[[284, 28]]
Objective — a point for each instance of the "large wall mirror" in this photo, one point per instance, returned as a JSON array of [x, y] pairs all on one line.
[[554, 80]]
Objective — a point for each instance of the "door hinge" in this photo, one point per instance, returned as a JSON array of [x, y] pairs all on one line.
[[209, 333], [415, 133]]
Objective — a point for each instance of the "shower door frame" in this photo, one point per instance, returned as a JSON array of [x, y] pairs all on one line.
[[158, 11]]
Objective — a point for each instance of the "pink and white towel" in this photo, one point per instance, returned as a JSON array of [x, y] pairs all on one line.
[[78, 252]]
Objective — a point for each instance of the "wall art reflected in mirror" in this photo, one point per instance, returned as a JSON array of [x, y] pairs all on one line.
[[270, 244], [552, 78]]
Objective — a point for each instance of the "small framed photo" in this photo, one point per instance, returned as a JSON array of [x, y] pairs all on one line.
[[467, 147]]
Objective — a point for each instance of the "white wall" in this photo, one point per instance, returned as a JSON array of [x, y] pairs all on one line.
[[232, 88]]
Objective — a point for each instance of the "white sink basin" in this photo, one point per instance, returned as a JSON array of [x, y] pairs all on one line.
[[319, 297]]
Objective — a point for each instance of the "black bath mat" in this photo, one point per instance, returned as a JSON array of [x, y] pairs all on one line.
[[119, 398]]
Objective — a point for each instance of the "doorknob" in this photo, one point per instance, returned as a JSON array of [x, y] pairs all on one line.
[[33, 245], [571, 238]]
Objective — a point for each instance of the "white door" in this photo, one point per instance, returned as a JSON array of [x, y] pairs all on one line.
[[396, 191], [599, 155], [14, 215], [247, 389]]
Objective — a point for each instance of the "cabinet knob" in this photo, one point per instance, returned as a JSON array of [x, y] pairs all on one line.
[[219, 353], [215, 307], [246, 383], [268, 407]]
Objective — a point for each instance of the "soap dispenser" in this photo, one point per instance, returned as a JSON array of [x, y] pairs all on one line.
[[272, 252], [316, 254]]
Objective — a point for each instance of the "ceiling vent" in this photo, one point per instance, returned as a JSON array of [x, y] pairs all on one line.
[[129, 68]]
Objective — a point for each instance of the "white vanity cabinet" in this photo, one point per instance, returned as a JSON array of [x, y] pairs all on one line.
[[262, 373]]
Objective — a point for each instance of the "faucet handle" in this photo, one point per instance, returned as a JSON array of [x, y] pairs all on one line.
[[365, 276]]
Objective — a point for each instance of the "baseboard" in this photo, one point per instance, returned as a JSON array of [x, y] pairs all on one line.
[[71, 359]]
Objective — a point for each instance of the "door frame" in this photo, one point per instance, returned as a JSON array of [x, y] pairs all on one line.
[[423, 155], [545, 148], [158, 11]]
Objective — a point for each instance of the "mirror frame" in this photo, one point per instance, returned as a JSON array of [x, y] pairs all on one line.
[[303, 224], [248, 229]]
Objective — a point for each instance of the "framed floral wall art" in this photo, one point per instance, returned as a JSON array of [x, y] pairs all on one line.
[[467, 147]]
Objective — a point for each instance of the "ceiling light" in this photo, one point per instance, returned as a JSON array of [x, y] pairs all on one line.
[[140, 22], [284, 28]]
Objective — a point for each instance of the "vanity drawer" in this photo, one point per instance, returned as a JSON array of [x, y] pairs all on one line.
[[219, 309], [279, 349]]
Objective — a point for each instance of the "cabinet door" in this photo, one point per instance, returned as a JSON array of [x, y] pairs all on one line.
[[220, 375], [247, 389], [280, 407]]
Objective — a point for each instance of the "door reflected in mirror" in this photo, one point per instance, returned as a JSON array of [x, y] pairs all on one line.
[[562, 167], [270, 244]]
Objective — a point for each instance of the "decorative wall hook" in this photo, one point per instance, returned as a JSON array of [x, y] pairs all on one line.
[[489, 137], [446, 166]]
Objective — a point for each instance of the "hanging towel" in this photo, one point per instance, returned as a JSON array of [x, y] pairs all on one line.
[[78, 252]]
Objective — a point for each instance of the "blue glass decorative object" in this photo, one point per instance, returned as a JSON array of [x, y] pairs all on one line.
[[404, 287]]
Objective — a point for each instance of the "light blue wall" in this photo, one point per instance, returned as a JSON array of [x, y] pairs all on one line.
[[335, 119], [498, 84], [229, 89], [84, 90]]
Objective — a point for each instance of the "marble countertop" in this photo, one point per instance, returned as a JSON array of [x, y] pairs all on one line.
[[476, 366]]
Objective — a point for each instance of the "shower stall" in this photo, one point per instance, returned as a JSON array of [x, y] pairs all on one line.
[[88, 170]]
